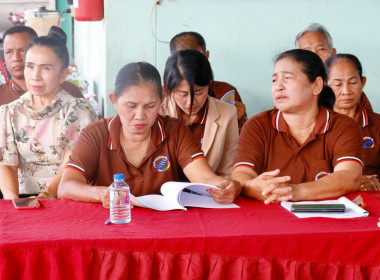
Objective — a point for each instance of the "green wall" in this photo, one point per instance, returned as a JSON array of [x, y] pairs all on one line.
[[242, 35], [66, 24]]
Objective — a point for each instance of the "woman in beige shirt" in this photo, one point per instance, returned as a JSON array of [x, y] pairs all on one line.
[[213, 123]]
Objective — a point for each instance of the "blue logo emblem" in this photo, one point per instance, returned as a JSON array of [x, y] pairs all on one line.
[[369, 143], [321, 175], [161, 163]]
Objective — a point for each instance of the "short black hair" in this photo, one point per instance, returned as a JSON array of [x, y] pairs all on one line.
[[20, 29], [176, 41]]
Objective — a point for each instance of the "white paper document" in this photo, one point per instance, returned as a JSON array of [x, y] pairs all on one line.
[[352, 210], [179, 195]]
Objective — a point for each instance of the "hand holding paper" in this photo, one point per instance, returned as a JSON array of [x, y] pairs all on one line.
[[177, 195]]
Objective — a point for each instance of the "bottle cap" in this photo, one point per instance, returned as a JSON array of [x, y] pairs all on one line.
[[118, 176]]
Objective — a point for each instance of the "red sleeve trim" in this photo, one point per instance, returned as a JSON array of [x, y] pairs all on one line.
[[75, 168], [245, 164], [197, 157], [354, 160]]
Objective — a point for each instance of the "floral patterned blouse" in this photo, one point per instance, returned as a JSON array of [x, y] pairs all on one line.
[[36, 141]]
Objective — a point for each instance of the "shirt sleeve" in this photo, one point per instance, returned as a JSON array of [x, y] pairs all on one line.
[[348, 141], [86, 152], [251, 147], [8, 147], [186, 148], [79, 115]]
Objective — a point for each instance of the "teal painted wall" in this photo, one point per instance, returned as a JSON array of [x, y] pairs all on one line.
[[66, 24], [243, 36]]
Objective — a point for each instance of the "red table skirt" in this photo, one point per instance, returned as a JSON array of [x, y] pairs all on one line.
[[63, 263], [68, 240]]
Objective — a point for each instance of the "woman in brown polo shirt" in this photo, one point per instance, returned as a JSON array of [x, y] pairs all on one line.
[[213, 123], [149, 149], [345, 77], [301, 150]]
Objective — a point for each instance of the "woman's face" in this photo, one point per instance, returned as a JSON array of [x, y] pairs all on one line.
[[345, 81], [43, 72], [137, 107], [182, 97], [291, 89]]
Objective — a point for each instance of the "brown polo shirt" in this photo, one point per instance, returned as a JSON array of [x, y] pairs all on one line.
[[221, 88], [370, 125], [98, 155], [11, 91], [364, 102], [72, 89], [265, 145]]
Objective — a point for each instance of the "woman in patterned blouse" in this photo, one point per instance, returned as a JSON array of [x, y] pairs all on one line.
[[38, 130]]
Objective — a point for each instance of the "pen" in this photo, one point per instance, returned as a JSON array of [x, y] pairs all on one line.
[[107, 221]]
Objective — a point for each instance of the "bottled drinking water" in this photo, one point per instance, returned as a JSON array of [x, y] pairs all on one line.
[[120, 208]]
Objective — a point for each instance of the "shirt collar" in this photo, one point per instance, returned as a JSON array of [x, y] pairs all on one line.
[[361, 116], [322, 124], [201, 116], [114, 125]]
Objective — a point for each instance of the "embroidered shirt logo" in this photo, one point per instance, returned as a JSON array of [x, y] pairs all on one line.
[[369, 143], [321, 175], [161, 163]]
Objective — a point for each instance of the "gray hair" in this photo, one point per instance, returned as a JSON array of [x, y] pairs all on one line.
[[317, 28]]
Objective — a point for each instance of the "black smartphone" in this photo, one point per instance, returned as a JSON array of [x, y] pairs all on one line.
[[308, 207]]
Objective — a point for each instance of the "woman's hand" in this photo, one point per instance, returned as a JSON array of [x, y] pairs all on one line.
[[105, 195], [9, 181], [369, 183], [45, 195], [229, 190], [200, 171], [270, 188]]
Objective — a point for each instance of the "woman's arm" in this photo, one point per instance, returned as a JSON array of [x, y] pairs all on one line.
[[9, 181], [74, 186], [267, 186], [51, 190], [344, 179], [199, 171]]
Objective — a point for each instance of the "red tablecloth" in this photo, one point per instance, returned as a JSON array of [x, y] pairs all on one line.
[[375, 194], [68, 240]]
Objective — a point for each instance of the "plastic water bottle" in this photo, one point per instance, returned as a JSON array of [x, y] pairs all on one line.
[[120, 208]]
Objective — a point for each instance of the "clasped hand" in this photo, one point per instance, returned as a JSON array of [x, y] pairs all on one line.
[[271, 188], [369, 183]]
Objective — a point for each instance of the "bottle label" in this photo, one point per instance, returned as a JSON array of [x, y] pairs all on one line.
[[119, 198]]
